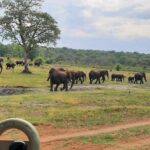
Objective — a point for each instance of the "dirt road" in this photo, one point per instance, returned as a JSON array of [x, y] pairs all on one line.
[[94, 132]]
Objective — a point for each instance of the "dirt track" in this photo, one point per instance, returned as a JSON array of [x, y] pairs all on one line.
[[59, 135], [94, 132], [48, 142]]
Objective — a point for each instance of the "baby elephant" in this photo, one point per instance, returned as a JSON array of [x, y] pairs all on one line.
[[131, 79]]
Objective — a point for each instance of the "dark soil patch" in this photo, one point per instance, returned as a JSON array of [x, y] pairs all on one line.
[[4, 91]]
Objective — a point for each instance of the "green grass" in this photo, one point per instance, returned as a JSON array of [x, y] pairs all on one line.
[[67, 109], [99, 106]]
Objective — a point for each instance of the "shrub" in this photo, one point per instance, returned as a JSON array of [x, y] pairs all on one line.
[[118, 67]]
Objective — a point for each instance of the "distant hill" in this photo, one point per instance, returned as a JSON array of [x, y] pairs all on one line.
[[83, 57], [95, 57]]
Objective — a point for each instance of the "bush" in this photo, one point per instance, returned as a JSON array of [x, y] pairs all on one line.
[[118, 67]]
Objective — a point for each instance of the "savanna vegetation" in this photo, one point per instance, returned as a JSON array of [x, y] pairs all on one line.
[[87, 106], [108, 103], [110, 59]]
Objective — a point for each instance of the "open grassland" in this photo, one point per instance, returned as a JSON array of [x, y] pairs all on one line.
[[109, 103], [84, 107]]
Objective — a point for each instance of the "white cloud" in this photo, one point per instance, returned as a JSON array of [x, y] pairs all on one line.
[[86, 13], [97, 19], [123, 27], [115, 5]]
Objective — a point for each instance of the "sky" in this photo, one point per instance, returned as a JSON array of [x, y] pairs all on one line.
[[121, 25]]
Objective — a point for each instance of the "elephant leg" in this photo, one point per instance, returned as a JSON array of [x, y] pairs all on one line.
[[56, 87], [72, 83], [63, 87], [96, 81], [1, 70], [51, 86], [81, 80], [135, 81], [66, 86], [76, 81], [91, 81], [103, 79], [99, 81]]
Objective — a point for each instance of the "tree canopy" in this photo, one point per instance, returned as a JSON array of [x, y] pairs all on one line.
[[23, 23]]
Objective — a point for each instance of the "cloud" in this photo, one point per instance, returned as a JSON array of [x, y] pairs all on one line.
[[122, 28], [116, 5], [94, 18]]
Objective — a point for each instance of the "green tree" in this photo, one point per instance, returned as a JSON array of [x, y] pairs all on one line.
[[25, 24], [118, 67]]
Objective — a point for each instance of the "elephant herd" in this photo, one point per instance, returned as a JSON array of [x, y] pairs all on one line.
[[58, 76], [61, 76], [11, 65], [137, 77]]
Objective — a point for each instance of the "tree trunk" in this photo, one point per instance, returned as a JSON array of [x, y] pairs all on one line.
[[26, 69]]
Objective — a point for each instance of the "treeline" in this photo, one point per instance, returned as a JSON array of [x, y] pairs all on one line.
[[84, 57]]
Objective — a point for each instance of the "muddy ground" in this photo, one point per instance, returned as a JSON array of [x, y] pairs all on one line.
[[7, 90]]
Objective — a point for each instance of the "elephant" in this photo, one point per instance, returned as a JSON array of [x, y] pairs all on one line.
[[1, 68], [19, 62], [96, 75], [139, 77], [10, 65], [71, 75], [105, 72], [80, 76], [37, 63], [83, 75], [131, 79], [58, 77], [117, 77]]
